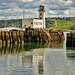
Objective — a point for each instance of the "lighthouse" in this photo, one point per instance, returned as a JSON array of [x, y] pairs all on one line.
[[42, 14], [35, 23]]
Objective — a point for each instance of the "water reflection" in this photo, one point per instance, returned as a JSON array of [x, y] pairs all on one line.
[[17, 48], [10, 49], [28, 58], [70, 53], [37, 59], [69, 45]]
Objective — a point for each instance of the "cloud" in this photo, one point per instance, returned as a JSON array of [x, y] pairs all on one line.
[[59, 4], [14, 13], [69, 12], [52, 12], [8, 5], [27, 0], [66, 12], [2, 17], [10, 8], [69, 2], [61, 7]]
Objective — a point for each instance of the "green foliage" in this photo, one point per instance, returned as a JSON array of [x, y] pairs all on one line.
[[72, 28], [50, 23], [10, 23], [61, 24]]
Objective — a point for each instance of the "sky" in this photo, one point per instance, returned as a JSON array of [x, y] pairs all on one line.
[[13, 9]]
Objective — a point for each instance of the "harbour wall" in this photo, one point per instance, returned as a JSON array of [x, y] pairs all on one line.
[[70, 39], [30, 36]]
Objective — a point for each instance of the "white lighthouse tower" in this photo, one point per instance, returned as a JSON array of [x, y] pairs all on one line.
[[42, 14], [33, 22]]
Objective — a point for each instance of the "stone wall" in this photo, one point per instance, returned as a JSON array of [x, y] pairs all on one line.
[[30, 36]]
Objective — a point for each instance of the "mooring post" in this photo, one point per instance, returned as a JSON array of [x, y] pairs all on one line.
[[24, 37], [20, 37], [2, 37], [5, 37], [10, 37], [17, 34]]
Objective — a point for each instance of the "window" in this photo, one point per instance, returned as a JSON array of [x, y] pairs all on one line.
[[40, 18], [40, 23], [31, 22], [24, 25], [40, 13]]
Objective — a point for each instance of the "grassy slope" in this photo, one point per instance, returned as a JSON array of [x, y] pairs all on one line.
[[64, 24], [50, 23], [9, 23]]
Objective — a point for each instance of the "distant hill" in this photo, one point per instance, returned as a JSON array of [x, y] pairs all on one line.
[[50, 23], [11, 23], [60, 24]]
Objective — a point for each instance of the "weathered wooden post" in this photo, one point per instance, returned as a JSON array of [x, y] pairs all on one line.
[[12, 35], [32, 37], [25, 36], [2, 38], [20, 37], [17, 35], [29, 36], [6, 38], [1, 49], [37, 36], [40, 36]]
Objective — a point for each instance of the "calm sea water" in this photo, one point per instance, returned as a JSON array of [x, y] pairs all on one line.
[[37, 59]]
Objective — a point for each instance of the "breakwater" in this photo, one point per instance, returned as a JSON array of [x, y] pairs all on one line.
[[70, 39], [30, 36]]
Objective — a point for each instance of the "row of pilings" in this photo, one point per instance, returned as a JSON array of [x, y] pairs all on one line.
[[70, 39], [30, 36]]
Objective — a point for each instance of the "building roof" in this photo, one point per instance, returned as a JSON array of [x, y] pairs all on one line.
[[31, 18]]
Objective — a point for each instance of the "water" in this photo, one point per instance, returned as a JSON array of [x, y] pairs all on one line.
[[37, 59]]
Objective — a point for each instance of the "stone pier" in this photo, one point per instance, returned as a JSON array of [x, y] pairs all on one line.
[[30, 36]]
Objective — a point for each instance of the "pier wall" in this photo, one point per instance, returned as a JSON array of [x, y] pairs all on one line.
[[30, 36], [70, 39]]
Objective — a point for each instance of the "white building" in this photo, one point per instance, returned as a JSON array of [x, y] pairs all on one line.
[[35, 23]]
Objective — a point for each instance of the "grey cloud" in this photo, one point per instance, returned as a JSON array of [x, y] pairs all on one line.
[[60, 4], [73, 5], [6, 4], [56, 5], [58, 12], [29, 5]]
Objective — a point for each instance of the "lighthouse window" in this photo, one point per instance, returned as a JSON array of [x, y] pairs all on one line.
[[40, 18], [40, 14], [40, 7], [31, 22], [24, 25]]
